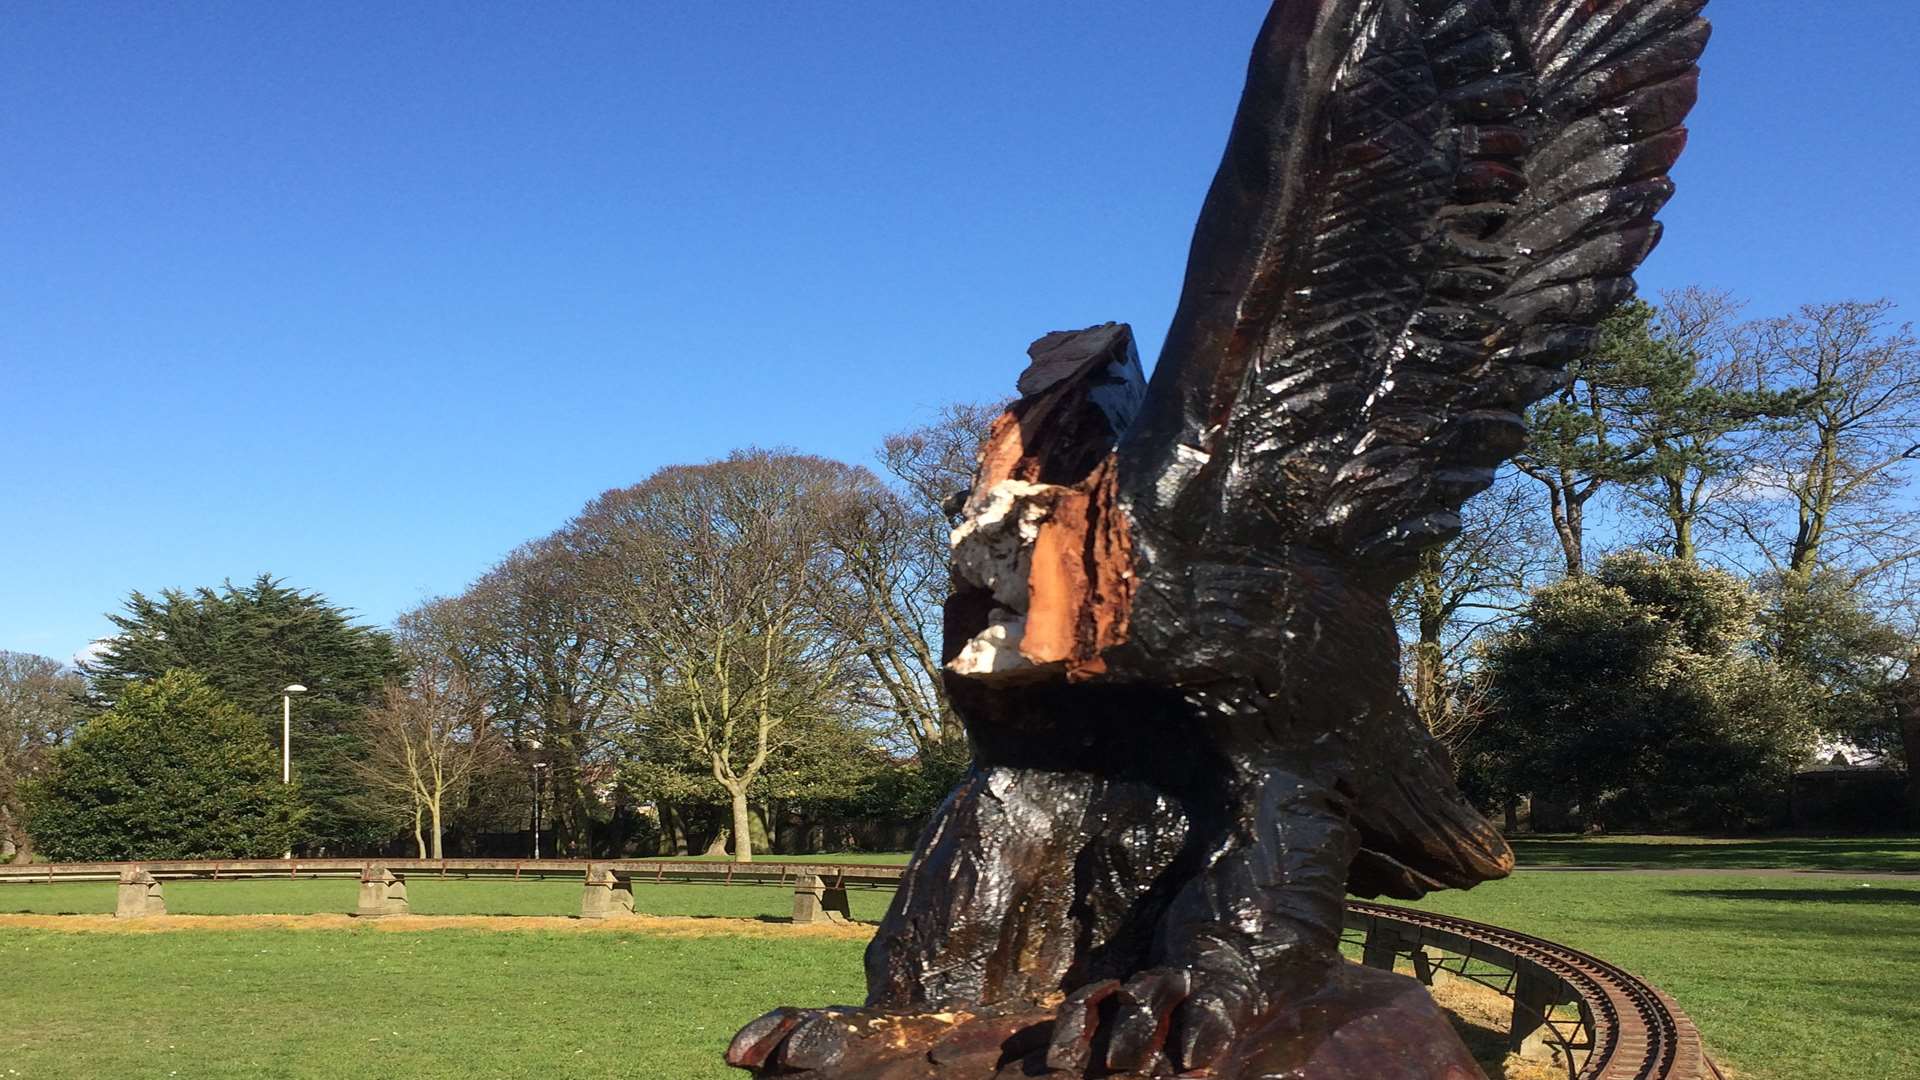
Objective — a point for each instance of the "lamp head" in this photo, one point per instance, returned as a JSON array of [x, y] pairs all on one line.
[[296, 688]]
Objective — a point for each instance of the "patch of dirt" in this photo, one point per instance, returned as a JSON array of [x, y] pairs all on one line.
[[1480, 1015], [646, 924]]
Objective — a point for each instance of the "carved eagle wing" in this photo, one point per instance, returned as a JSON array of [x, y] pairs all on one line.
[[1412, 232]]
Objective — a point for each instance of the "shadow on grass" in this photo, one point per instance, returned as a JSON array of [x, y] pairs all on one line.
[[778, 920], [1802, 926], [1884, 853], [1865, 895]]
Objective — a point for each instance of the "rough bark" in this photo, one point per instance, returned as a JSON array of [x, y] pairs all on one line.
[[673, 831], [742, 825], [1569, 524], [1908, 703], [14, 831]]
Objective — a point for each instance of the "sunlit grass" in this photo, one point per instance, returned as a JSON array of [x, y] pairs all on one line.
[[454, 1004], [1789, 978], [1698, 853]]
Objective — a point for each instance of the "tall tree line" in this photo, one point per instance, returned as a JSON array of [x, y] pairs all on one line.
[[756, 630], [725, 643], [1781, 451], [169, 739]]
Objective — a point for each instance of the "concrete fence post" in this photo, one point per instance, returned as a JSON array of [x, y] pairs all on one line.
[[807, 890], [139, 896], [1535, 993], [382, 893], [1382, 945], [816, 901], [608, 894], [833, 900]]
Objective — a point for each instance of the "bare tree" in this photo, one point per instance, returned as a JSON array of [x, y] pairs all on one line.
[[1907, 712], [1462, 591], [426, 739], [936, 461], [37, 714], [451, 633], [1830, 498], [897, 551], [724, 576], [545, 652], [889, 607]]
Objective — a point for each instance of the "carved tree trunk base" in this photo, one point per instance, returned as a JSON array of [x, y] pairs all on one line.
[[1357, 1023]]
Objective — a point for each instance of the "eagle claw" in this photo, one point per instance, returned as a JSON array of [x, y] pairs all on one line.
[[788, 1039], [1196, 1011]]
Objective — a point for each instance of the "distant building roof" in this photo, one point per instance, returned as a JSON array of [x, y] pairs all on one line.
[[1836, 755]]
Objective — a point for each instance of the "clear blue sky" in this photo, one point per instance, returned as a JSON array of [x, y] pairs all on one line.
[[364, 295]]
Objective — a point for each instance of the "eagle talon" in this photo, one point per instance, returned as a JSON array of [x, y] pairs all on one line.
[[755, 1043], [793, 1040], [1208, 1023], [1163, 1021], [1145, 1017], [1075, 1025]]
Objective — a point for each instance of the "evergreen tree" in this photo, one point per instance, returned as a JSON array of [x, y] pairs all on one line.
[[1634, 693], [248, 642], [1573, 449], [1848, 659], [1683, 399], [1661, 412], [173, 770]]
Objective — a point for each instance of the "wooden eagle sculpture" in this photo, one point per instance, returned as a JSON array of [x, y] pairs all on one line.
[[1169, 633]]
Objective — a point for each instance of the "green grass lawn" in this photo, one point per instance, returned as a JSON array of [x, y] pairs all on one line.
[[1880, 853], [1788, 978], [226, 1005]]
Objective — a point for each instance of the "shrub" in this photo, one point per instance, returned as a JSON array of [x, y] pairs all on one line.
[[1635, 695], [173, 771]]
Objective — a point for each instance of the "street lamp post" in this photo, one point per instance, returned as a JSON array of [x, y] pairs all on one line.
[[286, 738], [537, 766]]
